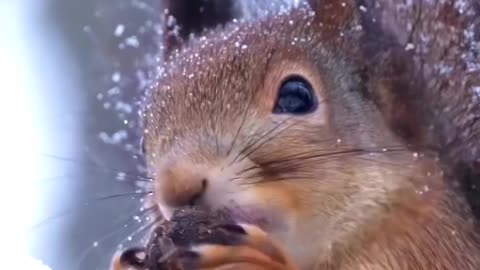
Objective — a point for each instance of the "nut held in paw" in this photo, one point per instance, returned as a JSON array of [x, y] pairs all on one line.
[[168, 245]]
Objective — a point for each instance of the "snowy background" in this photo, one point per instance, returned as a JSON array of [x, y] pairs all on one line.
[[72, 77], [70, 72]]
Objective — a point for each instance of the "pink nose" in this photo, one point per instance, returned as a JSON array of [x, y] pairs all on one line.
[[178, 186]]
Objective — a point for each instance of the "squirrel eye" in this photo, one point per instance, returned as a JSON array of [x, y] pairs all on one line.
[[295, 96]]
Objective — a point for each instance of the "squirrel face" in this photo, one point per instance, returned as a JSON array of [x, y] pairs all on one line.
[[267, 120]]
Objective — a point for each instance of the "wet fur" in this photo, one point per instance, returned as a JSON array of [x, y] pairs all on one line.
[[365, 182]]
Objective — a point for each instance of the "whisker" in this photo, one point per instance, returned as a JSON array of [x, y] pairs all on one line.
[[249, 145], [255, 166], [121, 230], [122, 195], [251, 142], [104, 168], [73, 177], [244, 117], [293, 163], [327, 153], [253, 150], [143, 228], [70, 211]]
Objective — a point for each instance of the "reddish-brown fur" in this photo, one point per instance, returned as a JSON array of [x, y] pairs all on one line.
[[364, 182]]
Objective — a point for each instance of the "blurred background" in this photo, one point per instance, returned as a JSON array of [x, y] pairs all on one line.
[[71, 74]]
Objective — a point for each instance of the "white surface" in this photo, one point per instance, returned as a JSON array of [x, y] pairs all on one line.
[[23, 130], [18, 135]]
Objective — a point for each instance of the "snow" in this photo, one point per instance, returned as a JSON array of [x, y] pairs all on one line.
[[116, 138], [132, 42], [116, 76], [409, 47], [119, 30], [123, 107], [460, 5], [476, 91]]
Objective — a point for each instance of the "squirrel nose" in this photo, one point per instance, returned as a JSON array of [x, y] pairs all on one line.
[[179, 187]]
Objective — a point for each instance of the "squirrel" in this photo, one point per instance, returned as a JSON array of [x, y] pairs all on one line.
[[339, 134]]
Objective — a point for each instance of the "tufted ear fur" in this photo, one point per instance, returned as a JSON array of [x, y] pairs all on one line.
[[189, 17]]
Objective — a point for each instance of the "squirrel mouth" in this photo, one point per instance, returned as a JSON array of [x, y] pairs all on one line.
[[265, 219], [258, 216]]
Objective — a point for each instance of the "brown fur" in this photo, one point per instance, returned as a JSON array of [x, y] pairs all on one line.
[[354, 185]]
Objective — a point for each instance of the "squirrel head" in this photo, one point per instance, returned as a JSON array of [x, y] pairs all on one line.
[[292, 121]]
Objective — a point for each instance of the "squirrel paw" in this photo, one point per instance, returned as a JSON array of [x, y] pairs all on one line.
[[257, 251]]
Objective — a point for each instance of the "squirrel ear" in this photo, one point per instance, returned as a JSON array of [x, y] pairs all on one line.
[[183, 18]]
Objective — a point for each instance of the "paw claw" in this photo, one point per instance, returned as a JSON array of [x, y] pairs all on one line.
[[233, 228], [133, 257]]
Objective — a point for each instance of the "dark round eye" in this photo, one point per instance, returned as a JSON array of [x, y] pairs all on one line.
[[295, 96]]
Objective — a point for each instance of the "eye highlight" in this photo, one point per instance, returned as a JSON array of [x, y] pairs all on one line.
[[295, 96]]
